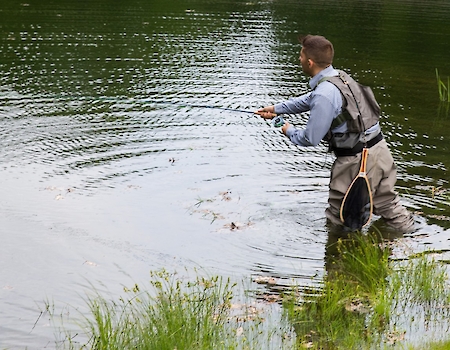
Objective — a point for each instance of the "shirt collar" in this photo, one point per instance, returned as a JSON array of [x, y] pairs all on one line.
[[327, 72]]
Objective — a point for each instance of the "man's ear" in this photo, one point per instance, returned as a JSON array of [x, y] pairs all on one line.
[[310, 62]]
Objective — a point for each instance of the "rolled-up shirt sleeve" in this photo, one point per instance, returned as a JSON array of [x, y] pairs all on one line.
[[294, 105]]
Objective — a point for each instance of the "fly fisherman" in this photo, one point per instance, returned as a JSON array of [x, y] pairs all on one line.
[[329, 121]]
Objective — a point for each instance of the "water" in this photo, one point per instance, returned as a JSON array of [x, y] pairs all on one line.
[[110, 168]]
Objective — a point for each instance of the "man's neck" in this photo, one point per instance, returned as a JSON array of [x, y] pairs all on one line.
[[318, 76], [317, 70]]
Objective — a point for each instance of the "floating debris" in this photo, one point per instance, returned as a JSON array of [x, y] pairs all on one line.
[[209, 214], [270, 298], [234, 225], [439, 217], [435, 191], [394, 337], [308, 345], [225, 195], [60, 189], [265, 280], [357, 306], [245, 312], [239, 331]]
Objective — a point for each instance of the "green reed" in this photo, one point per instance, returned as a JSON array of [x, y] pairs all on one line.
[[444, 90], [369, 300], [177, 314]]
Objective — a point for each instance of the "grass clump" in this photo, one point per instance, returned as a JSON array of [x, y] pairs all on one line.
[[370, 301], [176, 314], [367, 300], [438, 346], [352, 295], [444, 90], [173, 315]]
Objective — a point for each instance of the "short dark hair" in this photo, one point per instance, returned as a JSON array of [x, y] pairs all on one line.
[[318, 49]]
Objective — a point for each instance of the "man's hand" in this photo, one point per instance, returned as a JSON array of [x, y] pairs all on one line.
[[266, 112], [285, 127]]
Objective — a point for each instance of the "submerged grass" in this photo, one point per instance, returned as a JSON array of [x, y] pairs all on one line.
[[369, 301]]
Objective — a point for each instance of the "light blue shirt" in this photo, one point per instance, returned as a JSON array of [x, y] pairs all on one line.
[[324, 103]]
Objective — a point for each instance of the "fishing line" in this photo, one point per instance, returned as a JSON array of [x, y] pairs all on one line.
[[125, 100]]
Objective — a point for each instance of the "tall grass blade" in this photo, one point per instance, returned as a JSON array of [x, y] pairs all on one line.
[[443, 90]]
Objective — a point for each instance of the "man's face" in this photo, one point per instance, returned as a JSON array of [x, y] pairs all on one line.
[[304, 62]]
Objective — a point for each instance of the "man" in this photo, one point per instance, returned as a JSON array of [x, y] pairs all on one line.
[[327, 106]]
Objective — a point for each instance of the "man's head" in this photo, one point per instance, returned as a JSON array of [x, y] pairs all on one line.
[[316, 54]]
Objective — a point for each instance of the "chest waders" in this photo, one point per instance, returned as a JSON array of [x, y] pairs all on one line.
[[359, 109]]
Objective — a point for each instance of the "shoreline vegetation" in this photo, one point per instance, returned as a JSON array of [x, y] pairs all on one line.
[[443, 89], [369, 298], [444, 96]]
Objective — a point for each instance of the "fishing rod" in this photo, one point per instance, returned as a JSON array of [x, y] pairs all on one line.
[[277, 121], [200, 106]]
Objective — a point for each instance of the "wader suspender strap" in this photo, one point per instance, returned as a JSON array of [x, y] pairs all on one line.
[[360, 119]]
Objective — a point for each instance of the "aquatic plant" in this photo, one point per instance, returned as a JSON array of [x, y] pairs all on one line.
[[444, 90], [335, 316], [177, 314], [369, 300], [443, 345]]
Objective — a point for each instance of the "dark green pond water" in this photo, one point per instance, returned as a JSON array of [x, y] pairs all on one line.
[[110, 168]]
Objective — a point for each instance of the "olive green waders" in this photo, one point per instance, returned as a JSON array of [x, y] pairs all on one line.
[[382, 174]]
